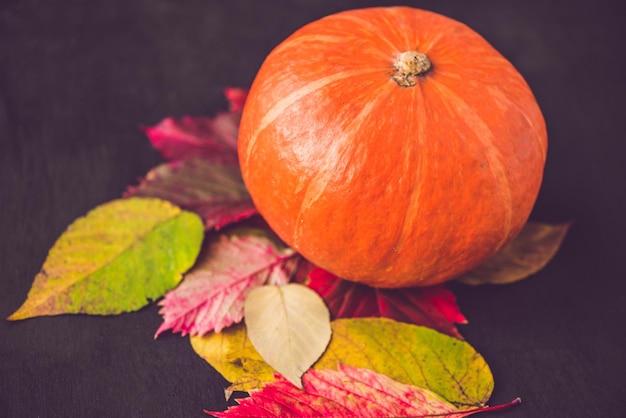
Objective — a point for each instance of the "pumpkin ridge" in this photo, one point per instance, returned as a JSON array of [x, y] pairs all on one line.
[[419, 37], [428, 43], [371, 27], [311, 38], [412, 156], [314, 190], [496, 92], [280, 106], [484, 134]]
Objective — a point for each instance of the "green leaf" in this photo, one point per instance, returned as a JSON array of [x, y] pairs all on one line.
[[410, 354], [115, 259]]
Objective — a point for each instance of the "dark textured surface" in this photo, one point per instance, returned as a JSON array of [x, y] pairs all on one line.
[[77, 78]]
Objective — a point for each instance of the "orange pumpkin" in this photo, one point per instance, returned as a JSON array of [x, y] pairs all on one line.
[[392, 146]]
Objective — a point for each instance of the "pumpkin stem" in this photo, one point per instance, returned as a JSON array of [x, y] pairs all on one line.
[[408, 65]]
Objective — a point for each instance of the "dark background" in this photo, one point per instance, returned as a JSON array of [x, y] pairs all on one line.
[[77, 78]]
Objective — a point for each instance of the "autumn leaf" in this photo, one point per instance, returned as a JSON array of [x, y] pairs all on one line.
[[289, 326], [236, 97], [413, 355], [115, 259], [214, 139], [215, 191], [204, 176], [433, 306], [346, 392], [410, 354], [211, 296], [527, 254], [231, 353]]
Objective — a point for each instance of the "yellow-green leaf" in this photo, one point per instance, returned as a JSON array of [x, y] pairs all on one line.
[[527, 254], [232, 354], [115, 259], [407, 353]]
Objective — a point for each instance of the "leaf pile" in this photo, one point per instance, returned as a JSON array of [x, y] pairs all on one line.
[[311, 343], [213, 293], [407, 353]]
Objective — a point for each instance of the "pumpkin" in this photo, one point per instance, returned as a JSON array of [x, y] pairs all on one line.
[[392, 146]]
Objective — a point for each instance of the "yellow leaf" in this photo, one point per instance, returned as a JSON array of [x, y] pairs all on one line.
[[407, 353], [232, 354]]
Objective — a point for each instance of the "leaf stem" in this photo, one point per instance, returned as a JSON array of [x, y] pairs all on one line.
[[487, 408]]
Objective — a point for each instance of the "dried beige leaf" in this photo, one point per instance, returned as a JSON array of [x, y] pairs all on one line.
[[289, 326]]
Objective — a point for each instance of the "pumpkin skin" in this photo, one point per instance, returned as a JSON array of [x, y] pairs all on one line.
[[381, 176]]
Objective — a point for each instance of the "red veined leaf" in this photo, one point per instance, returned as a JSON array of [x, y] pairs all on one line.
[[347, 392], [433, 306], [212, 295]]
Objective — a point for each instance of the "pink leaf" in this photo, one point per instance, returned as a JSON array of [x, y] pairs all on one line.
[[211, 138], [347, 392], [215, 191], [212, 295], [433, 306]]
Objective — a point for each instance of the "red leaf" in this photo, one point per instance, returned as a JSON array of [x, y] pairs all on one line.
[[211, 138], [215, 191], [347, 392], [433, 306], [236, 98], [211, 296]]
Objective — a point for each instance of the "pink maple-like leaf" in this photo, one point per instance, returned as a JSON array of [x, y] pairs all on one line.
[[212, 295], [201, 137], [433, 306], [347, 392]]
